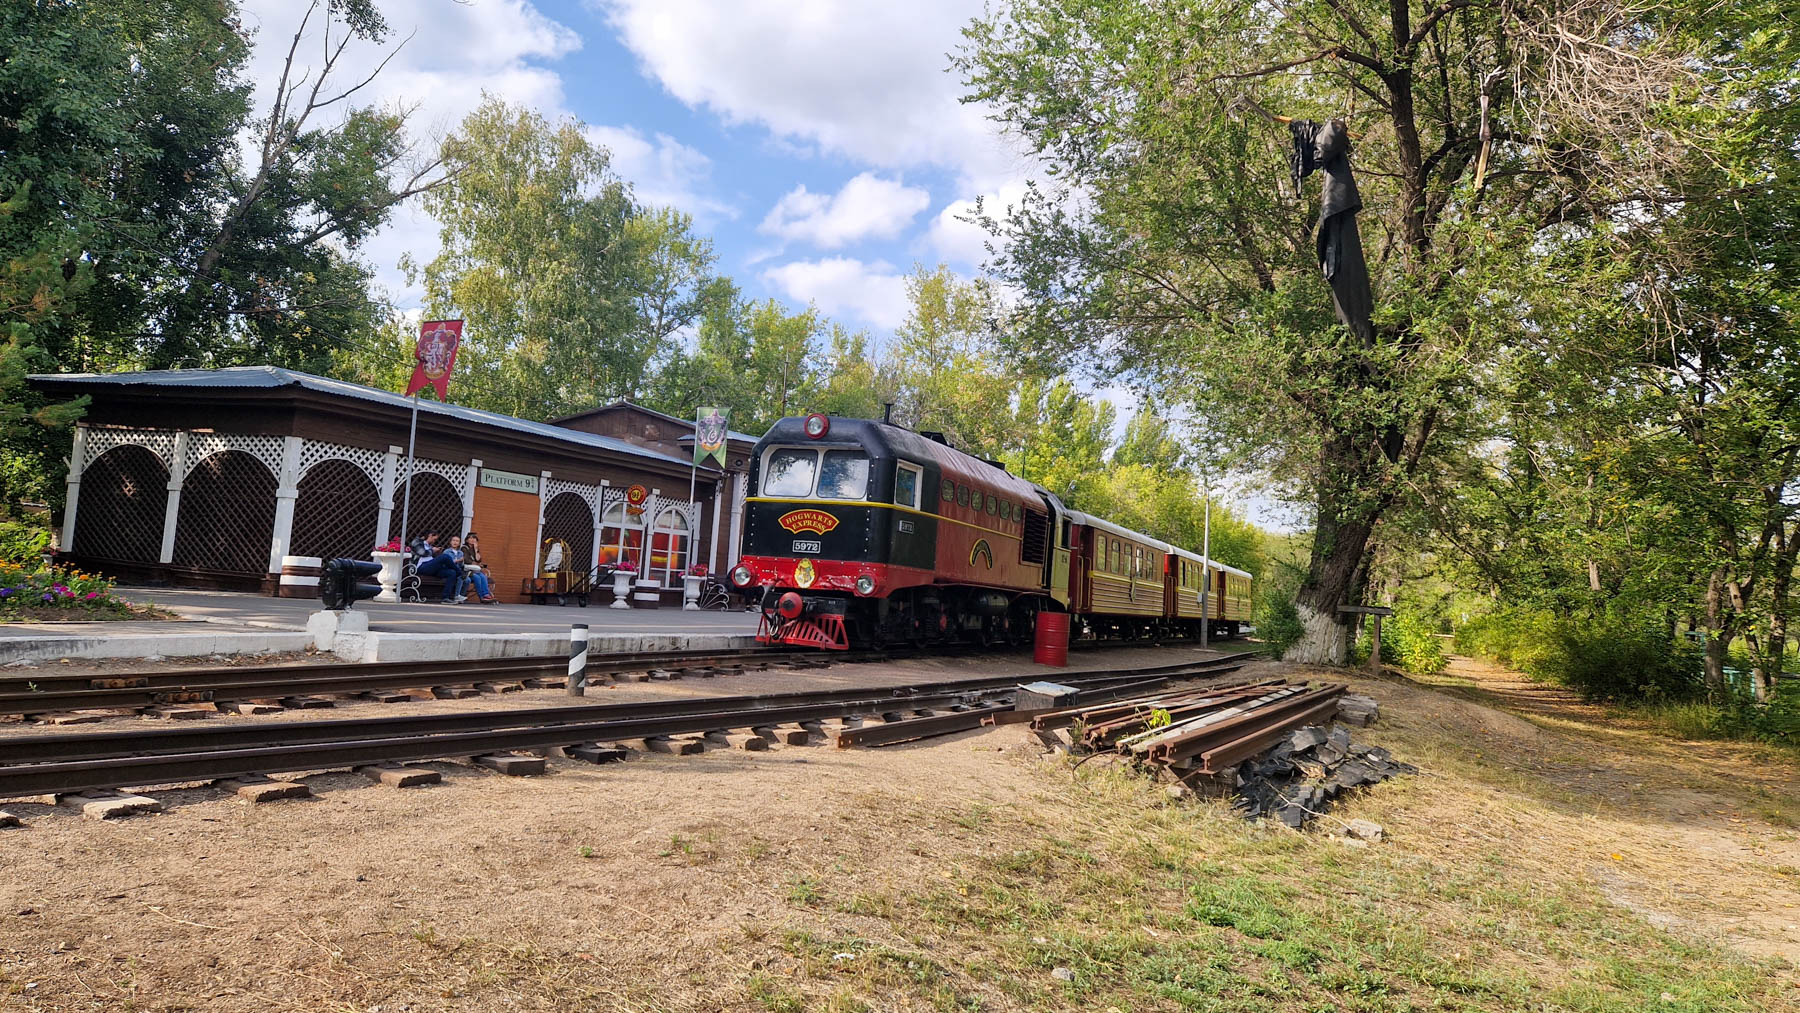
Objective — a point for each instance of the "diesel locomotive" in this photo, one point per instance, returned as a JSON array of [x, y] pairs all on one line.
[[861, 533]]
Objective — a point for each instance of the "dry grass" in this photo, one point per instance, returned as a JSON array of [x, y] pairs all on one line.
[[1550, 863]]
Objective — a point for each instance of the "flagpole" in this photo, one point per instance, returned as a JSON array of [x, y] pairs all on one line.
[[412, 433]]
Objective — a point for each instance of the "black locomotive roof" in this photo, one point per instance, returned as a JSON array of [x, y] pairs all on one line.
[[885, 440]]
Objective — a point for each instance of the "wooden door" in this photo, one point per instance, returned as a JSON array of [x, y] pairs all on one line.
[[507, 524]]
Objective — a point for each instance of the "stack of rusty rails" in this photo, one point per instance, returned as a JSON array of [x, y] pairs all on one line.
[[1094, 690], [72, 762], [1205, 731], [52, 692]]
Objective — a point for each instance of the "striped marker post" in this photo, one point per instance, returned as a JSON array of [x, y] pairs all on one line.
[[578, 645]]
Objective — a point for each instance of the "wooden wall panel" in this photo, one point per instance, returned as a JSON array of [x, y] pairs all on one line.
[[507, 524]]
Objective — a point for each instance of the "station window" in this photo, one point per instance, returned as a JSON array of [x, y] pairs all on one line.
[[949, 491]]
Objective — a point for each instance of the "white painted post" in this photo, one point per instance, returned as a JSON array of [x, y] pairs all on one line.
[[287, 489], [177, 475], [713, 565], [599, 507], [468, 524], [537, 541], [72, 499], [738, 483], [390, 473]]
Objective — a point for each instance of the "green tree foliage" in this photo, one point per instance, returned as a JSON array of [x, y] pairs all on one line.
[[125, 120], [571, 291], [1499, 150], [948, 368]]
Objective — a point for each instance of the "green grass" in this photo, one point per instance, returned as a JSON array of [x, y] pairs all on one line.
[[1185, 908]]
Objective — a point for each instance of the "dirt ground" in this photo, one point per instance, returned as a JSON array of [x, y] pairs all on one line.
[[667, 883]]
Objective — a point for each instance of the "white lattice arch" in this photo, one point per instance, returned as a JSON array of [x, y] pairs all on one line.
[[456, 474], [158, 441], [201, 446], [315, 453], [590, 494]]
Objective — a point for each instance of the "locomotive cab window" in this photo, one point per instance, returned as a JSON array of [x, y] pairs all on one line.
[[907, 478], [789, 472], [844, 475], [801, 472]]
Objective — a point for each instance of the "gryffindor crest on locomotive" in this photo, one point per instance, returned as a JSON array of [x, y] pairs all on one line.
[[863, 533]]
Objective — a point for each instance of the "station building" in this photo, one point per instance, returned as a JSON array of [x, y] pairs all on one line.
[[209, 478]]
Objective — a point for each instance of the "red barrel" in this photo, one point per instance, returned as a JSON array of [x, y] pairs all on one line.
[[1051, 645]]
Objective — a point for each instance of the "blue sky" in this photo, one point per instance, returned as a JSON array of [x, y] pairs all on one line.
[[819, 142]]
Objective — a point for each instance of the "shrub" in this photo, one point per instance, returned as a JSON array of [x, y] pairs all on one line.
[[22, 543], [1274, 615], [1607, 657], [1406, 642]]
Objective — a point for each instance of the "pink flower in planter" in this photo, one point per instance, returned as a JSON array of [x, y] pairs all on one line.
[[91, 595]]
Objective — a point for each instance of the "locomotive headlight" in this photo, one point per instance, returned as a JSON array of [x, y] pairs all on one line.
[[816, 425], [742, 576], [865, 584]]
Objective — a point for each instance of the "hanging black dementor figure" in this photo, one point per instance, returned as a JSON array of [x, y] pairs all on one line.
[[1326, 147]]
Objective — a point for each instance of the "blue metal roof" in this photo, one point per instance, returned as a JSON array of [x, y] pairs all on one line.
[[274, 377]]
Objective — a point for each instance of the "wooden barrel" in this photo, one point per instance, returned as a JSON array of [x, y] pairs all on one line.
[[299, 577], [1050, 644]]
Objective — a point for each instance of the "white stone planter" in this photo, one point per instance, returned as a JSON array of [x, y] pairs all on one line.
[[389, 577], [690, 593], [622, 589]]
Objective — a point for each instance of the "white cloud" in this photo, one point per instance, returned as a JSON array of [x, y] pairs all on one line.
[[868, 207], [868, 81], [873, 293], [662, 170], [438, 73]]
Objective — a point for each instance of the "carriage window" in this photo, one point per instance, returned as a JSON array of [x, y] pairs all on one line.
[[789, 473], [844, 475], [962, 495], [949, 491], [906, 485], [993, 504], [1118, 557]]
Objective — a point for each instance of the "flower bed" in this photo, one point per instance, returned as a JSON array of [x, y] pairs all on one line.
[[63, 593]]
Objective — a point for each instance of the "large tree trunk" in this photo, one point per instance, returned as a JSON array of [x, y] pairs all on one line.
[[1339, 542], [1718, 637], [1780, 584]]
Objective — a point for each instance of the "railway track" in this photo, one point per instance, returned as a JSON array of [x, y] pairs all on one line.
[[52, 692], [73, 762]]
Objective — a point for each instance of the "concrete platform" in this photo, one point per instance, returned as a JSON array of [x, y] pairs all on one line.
[[222, 622]]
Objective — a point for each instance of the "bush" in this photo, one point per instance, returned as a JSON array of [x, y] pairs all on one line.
[[1406, 642], [1603, 658], [1274, 615], [22, 543]]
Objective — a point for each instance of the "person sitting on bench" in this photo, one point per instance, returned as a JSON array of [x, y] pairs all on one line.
[[476, 568], [432, 561]]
